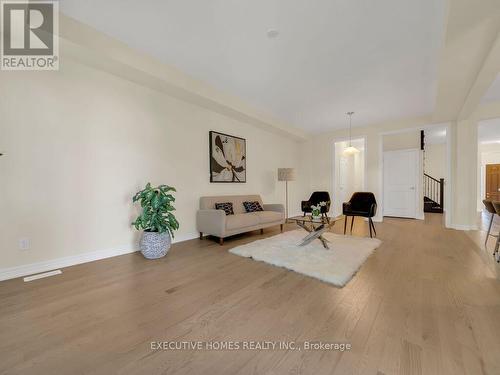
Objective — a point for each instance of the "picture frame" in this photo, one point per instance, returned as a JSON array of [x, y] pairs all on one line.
[[227, 155]]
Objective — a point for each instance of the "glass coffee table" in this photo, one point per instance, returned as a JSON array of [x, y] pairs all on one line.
[[315, 227]]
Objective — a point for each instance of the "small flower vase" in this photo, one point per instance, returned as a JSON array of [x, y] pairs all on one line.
[[316, 213]]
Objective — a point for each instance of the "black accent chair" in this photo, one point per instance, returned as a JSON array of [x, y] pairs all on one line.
[[316, 198], [361, 204]]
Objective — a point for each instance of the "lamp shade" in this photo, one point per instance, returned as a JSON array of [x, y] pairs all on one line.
[[351, 150], [286, 174]]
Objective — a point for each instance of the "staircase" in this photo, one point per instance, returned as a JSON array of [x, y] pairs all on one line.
[[433, 194]]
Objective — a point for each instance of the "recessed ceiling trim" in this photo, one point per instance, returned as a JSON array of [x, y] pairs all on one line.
[[330, 55]]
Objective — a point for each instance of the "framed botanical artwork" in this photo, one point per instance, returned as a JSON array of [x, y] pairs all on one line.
[[228, 159]]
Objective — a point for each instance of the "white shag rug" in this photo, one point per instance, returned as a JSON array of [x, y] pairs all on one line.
[[336, 265]]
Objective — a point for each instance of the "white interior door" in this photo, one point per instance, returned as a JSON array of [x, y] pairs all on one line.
[[400, 183]]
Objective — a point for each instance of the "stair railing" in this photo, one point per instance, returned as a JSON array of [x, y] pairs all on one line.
[[434, 189]]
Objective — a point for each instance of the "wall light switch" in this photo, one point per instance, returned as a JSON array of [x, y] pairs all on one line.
[[24, 243]]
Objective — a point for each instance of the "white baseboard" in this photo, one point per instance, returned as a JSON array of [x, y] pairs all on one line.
[[463, 227], [374, 219], [44, 266], [49, 265], [38, 267], [186, 237]]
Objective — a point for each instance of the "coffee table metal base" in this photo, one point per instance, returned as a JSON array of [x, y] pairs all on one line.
[[314, 233]]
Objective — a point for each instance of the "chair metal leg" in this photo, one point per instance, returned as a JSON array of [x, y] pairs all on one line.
[[497, 244], [373, 226], [345, 223], [489, 229], [370, 226], [352, 223]]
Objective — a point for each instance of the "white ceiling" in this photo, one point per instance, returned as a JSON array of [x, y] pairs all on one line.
[[377, 58], [493, 92]]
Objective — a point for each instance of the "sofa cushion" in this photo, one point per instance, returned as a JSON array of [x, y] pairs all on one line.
[[265, 217], [238, 221], [253, 206], [207, 203], [227, 207]]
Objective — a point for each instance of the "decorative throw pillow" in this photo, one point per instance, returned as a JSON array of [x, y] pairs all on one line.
[[252, 206], [227, 207]]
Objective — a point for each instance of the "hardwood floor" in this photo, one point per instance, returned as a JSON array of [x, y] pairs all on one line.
[[424, 303]]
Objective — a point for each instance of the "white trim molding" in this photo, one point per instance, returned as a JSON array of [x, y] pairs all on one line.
[[38, 267], [463, 227], [49, 265]]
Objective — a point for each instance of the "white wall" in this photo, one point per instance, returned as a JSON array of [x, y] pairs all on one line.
[[435, 160], [79, 142], [402, 141], [463, 180]]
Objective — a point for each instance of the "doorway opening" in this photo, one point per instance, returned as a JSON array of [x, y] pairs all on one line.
[[402, 174], [349, 172], [435, 168], [488, 180], [415, 166]]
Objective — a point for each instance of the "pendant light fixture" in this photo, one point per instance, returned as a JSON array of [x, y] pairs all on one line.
[[350, 150]]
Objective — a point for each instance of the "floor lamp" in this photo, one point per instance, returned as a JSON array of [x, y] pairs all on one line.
[[286, 174]]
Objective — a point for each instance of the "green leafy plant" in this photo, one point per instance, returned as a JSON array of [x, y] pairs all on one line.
[[156, 203], [316, 210]]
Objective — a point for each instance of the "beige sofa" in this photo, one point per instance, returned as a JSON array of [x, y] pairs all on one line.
[[217, 223]]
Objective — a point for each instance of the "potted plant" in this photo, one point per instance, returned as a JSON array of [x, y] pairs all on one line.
[[156, 219], [317, 210]]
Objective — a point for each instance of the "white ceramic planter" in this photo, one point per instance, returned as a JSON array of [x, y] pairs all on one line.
[[155, 245]]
